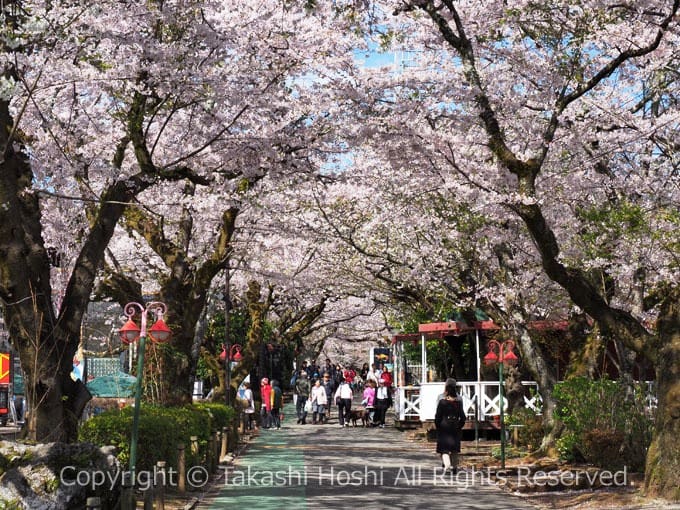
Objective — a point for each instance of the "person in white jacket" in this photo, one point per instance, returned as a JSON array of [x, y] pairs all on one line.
[[371, 375], [343, 398], [319, 402]]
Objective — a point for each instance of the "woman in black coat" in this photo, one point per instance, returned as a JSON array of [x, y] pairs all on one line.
[[449, 419]]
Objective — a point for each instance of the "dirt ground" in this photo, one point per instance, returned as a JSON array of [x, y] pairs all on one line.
[[628, 497], [603, 498], [598, 499]]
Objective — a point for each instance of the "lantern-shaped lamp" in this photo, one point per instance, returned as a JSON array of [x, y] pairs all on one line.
[[510, 359], [160, 332], [129, 333], [235, 353], [491, 358]]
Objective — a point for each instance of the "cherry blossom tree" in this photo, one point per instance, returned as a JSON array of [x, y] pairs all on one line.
[[414, 248], [50, 65], [561, 116], [104, 101]]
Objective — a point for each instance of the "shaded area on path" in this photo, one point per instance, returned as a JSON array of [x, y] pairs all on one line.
[[311, 466]]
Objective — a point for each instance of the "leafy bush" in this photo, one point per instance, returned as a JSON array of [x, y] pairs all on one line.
[[220, 414], [566, 446], [607, 446], [604, 410], [531, 432], [161, 429]]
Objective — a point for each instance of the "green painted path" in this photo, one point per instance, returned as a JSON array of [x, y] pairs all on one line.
[[270, 475], [327, 466]]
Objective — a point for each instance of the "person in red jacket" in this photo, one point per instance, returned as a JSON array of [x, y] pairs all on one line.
[[386, 377], [265, 395]]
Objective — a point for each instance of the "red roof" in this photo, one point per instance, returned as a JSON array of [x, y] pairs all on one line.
[[442, 329]]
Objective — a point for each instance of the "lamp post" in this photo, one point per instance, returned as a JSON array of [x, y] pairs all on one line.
[[227, 337], [130, 333], [235, 353], [233, 356], [500, 353]]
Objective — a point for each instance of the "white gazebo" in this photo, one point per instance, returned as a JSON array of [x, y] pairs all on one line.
[[417, 394]]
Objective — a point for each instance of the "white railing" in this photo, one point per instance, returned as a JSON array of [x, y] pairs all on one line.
[[415, 373], [420, 402]]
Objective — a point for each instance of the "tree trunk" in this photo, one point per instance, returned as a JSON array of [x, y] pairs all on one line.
[[584, 361], [26, 296], [662, 470], [514, 391], [175, 381], [45, 342], [257, 311], [184, 290], [542, 373]]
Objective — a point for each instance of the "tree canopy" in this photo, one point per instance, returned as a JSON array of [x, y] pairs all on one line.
[[342, 160]]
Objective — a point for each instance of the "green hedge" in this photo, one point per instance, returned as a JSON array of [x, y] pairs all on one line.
[[161, 429], [221, 415], [530, 434]]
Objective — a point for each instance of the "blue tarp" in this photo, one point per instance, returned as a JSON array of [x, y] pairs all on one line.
[[119, 385]]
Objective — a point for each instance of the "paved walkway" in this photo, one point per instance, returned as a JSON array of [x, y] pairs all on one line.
[[327, 466]]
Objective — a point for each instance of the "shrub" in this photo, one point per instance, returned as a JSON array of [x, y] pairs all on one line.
[[531, 432], [220, 414], [604, 448], [608, 411], [161, 429], [566, 446]]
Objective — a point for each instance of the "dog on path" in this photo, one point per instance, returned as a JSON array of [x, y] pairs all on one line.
[[359, 414]]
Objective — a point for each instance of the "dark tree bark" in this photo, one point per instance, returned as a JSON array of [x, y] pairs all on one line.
[[47, 342], [257, 308], [662, 470]]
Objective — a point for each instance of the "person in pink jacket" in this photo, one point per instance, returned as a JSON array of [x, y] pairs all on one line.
[[368, 399]]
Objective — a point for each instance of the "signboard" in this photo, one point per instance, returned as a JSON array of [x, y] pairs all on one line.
[[5, 368], [380, 356]]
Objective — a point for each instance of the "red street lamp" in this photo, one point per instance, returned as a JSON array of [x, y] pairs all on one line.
[[159, 332], [501, 354], [129, 333], [235, 357], [235, 353]]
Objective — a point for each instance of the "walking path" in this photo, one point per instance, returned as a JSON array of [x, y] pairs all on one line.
[[328, 466]]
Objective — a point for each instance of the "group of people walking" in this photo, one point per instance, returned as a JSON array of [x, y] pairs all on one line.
[[317, 396], [314, 397], [377, 399], [272, 403]]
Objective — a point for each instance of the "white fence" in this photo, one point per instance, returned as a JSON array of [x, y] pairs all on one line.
[[420, 402]]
